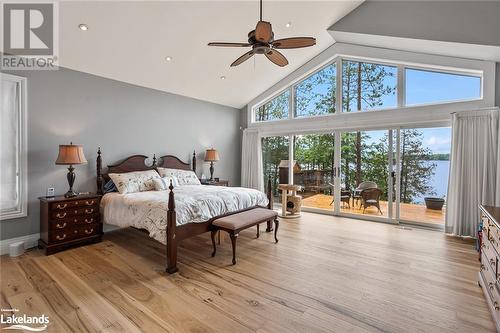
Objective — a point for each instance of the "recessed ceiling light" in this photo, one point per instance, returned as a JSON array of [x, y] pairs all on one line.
[[168, 58], [222, 77], [83, 27], [288, 24]]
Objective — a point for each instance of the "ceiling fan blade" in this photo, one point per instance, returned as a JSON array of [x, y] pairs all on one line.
[[224, 44], [294, 42], [277, 58], [263, 32], [243, 58]]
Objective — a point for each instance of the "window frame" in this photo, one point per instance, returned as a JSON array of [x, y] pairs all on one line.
[[22, 209], [338, 59]]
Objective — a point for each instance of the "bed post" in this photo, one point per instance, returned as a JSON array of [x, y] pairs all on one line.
[[270, 204], [194, 161], [99, 171], [154, 161], [171, 226]]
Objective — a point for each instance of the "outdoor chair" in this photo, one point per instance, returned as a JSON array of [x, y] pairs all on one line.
[[345, 196], [356, 196], [371, 197]]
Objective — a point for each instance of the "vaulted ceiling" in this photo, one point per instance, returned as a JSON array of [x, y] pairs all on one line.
[[129, 41]]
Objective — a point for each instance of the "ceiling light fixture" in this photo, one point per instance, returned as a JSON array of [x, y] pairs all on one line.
[[288, 25], [83, 27], [168, 58], [222, 77]]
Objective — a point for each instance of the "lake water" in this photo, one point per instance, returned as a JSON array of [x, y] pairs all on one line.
[[438, 182]]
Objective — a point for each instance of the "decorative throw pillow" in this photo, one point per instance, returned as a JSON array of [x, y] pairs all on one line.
[[109, 187], [184, 177], [137, 181], [162, 184]]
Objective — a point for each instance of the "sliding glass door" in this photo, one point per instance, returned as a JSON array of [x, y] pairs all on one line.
[[389, 175]]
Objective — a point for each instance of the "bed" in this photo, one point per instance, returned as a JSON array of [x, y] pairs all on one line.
[[177, 213]]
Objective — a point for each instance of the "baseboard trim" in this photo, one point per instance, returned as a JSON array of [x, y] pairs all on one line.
[[29, 242]]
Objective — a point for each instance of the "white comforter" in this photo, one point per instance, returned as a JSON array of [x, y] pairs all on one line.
[[193, 203]]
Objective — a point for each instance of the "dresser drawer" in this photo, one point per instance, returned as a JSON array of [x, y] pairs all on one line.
[[69, 212], [73, 221], [70, 233], [80, 203]]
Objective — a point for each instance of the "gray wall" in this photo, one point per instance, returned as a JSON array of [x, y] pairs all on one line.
[[474, 22], [122, 119]]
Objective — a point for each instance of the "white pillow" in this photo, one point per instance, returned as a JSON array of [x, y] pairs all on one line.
[[137, 181], [184, 177], [162, 184]]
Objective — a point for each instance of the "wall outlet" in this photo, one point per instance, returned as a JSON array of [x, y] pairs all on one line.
[[51, 192]]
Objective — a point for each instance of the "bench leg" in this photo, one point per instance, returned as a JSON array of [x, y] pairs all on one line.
[[212, 234], [258, 232], [233, 243], [276, 226], [269, 226]]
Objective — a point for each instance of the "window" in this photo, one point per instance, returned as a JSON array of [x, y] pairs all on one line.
[[275, 161], [368, 86], [275, 109], [13, 183], [316, 94], [430, 87]]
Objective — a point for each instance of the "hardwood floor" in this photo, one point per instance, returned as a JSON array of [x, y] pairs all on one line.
[[326, 274]]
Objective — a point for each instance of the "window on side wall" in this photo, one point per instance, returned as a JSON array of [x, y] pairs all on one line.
[[13, 154]]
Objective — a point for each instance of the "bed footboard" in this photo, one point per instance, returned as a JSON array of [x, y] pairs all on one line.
[[171, 231]]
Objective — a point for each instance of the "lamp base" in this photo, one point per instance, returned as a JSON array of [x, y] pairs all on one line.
[[70, 194]]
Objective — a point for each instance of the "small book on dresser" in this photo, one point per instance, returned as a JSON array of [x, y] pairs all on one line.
[[67, 222]]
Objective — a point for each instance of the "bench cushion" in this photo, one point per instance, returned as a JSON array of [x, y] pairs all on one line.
[[245, 219]]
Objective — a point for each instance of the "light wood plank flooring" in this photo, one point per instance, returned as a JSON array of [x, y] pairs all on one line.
[[326, 274]]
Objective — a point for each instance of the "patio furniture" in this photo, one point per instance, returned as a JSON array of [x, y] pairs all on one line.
[[434, 203], [371, 197], [345, 196], [356, 195]]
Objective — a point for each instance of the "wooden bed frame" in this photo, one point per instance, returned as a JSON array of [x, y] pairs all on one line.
[[175, 233]]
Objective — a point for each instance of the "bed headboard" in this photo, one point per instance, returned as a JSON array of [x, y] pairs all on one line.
[[138, 163]]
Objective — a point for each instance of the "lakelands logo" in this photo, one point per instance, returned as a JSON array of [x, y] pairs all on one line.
[[29, 38], [23, 322]]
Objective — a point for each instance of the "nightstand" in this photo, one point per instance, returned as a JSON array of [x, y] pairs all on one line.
[[214, 183], [66, 222]]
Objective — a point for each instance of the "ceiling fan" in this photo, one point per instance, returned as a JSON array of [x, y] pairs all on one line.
[[262, 42]]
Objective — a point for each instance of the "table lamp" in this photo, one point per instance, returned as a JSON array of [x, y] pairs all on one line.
[[71, 155], [211, 155]]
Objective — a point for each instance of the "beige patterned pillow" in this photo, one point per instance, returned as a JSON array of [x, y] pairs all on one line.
[[137, 181], [184, 177]]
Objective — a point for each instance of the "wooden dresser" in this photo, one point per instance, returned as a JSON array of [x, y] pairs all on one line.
[[65, 222], [489, 274]]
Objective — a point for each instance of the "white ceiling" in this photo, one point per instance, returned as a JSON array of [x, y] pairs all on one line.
[[128, 41]]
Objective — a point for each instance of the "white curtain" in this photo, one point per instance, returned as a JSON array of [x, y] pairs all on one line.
[[9, 120], [474, 169], [251, 160]]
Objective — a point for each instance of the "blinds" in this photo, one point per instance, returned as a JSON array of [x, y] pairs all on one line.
[[10, 146]]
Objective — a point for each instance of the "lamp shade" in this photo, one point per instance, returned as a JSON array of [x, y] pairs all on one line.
[[211, 155], [71, 154]]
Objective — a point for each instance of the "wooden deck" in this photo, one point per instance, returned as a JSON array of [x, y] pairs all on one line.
[[408, 212], [326, 274]]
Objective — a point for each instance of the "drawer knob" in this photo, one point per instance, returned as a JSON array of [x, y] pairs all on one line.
[[59, 215], [495, 305], [89, 211], [88, 232], [490, 285], [482, 267], [61, 237], [89, 203], [89, 220], [62, 206], [59, 226]]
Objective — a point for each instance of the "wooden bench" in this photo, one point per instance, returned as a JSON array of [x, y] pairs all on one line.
[[235, 223]]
